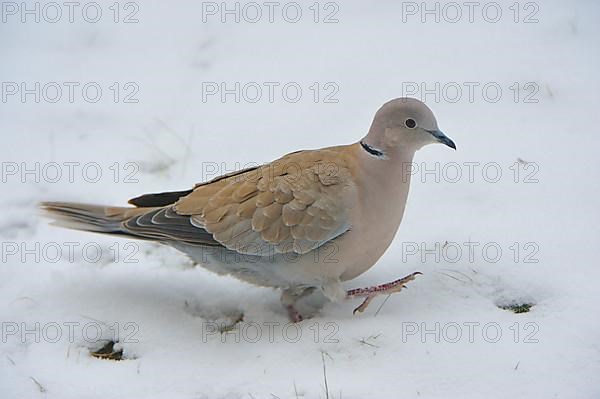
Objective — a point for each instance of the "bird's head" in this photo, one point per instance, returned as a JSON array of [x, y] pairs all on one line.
[[403, 125]]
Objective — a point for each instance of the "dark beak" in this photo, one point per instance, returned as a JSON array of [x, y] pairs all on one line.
[[442, 138]]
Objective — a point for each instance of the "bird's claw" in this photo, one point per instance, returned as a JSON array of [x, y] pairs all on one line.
[[371, 292]]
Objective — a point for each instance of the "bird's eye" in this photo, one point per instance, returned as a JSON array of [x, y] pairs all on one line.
[[410, 123]]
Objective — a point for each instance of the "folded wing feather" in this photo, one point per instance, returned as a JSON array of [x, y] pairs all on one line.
[[294, 204]]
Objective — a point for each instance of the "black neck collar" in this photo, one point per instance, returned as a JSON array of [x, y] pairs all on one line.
[[371, 150]]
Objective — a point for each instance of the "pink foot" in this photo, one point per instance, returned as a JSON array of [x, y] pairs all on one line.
[[294, 315], [371, 292]]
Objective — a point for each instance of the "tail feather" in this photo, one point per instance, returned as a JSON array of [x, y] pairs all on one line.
[[86, 217], [144, 223]]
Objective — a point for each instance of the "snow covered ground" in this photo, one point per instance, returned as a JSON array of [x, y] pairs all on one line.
[[517, 91]]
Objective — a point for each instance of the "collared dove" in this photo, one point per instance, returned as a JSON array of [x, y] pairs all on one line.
[[307, 221]]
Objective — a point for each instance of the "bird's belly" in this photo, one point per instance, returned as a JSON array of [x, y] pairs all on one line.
[[341, 259], [369, 240], [275, 270]]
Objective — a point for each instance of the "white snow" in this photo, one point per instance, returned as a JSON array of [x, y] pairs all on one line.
[[165, 310]]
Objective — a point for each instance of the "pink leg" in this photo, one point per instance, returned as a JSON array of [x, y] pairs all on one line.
[[290, 296], [294, 315], [371, 292]]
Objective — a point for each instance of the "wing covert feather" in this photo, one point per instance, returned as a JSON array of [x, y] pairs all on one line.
[[294, 204]]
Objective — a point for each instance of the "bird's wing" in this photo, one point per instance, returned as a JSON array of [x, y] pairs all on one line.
[[294, 204]]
